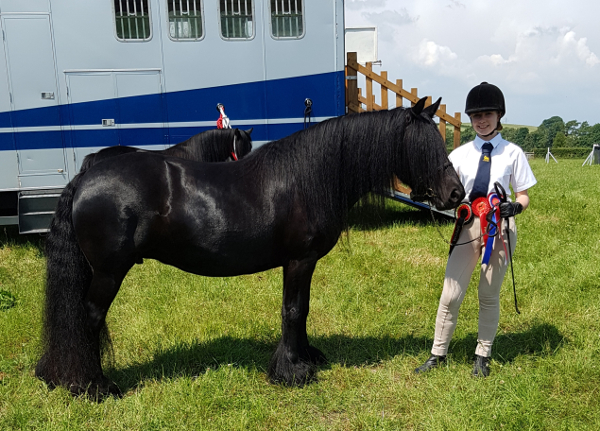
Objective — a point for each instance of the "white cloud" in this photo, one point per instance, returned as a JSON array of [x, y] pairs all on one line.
[[364, 4], [570, 43], [454, 4], [431, 54], [394, 18], [537, 51]]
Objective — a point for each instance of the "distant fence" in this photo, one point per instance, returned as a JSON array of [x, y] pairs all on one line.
[[356, 102], [564, 153]]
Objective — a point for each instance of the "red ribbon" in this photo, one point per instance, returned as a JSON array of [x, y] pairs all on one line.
[[481, 208]]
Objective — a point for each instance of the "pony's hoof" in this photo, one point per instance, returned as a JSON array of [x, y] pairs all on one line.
[[291, 374], [98, 391], [299, 372], [315, 356]]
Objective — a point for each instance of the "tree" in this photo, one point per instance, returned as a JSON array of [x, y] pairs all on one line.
[[550, 127], [572, 127], [521, 136], [534, 140], [560, 141], [516, 135], [467, 135]]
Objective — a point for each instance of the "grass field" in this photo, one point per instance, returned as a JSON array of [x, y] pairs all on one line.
[[190, 353]]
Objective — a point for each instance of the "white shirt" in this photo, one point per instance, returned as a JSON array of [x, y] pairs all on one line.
[[509, 165]]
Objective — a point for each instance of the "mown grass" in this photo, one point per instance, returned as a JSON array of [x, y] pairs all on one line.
[[191, 352]]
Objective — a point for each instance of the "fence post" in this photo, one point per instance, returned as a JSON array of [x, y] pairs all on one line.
[[414, 92], [399, 98], [457, 131], [384, 92], [352, 83], [442, 124], [369, 89]]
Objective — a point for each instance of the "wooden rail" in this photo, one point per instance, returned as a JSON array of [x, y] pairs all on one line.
[[355, 100]]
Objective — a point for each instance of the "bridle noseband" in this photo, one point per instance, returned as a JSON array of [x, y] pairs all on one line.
[[429, 193]]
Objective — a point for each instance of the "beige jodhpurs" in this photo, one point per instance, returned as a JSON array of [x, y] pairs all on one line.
[[460, 267]]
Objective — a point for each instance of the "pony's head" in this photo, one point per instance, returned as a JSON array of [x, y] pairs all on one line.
[[424, 164]]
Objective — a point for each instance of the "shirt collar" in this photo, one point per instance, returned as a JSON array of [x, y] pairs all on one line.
[[495, 141]]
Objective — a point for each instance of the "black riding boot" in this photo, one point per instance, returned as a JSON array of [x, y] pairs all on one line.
[[481, 366], [433, 362]]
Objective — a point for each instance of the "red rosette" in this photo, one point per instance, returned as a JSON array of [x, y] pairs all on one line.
[[481, 208], [464, 211]]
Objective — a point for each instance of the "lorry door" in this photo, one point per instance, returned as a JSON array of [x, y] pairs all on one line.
[[34, 100], [93, 112], [108, 108]]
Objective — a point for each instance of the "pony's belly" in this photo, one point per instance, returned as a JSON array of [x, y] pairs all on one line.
[[236, 260]]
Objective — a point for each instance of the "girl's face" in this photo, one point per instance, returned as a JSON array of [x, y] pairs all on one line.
[[485, 123]]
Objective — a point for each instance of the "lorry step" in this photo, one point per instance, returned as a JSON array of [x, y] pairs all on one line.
[[36, 209]]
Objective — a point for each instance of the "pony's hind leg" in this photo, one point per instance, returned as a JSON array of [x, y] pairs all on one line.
[[99, 297], [293, 363]]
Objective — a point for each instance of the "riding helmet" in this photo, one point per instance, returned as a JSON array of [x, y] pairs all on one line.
[[485, 97]]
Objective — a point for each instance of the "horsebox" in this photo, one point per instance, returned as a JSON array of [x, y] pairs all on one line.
[[76, 77]]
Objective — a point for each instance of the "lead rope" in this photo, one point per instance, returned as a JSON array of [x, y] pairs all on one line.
[[307, 112], [509, 251], [461, 243]]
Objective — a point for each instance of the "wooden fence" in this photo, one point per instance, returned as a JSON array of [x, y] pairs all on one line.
[[355, 100]]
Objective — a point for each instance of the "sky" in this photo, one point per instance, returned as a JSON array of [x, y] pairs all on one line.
[[543, 54]]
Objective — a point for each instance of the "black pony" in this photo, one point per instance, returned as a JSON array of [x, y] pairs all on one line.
[[216, 145], [285, 204]]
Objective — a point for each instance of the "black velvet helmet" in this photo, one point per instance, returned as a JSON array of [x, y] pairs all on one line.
[[485, 97]]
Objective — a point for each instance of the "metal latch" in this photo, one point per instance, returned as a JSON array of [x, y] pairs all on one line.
[[108, 122], [48, 95]]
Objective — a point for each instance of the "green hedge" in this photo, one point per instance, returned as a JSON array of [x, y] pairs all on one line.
[[564, 153]]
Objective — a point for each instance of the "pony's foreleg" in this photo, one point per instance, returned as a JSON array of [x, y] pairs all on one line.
[[293, 363]]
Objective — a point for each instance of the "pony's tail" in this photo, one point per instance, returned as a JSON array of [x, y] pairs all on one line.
[[69, 357]]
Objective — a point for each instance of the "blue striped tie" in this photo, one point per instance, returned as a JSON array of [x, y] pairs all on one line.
[[482, 179]]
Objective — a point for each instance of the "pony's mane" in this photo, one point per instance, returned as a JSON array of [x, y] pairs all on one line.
[[335, 162], [210, 146]]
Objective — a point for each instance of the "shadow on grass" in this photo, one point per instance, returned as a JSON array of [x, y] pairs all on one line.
[[9, 236], [370, 216], [193, 360], [541, 339]]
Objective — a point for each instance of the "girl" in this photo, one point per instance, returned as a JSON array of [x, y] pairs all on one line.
[[480, 164]]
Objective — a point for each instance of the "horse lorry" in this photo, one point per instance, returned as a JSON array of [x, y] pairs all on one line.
[[76, 77]]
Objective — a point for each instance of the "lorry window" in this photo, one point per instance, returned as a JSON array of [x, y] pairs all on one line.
[[185, 19], [132, 19], [287, 20], [236, 19]]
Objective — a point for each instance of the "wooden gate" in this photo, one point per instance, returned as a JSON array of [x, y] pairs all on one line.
[[356, 102]]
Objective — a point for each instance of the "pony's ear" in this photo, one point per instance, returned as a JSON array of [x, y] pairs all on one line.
[[418, 108], [432, 109], [249, 131]]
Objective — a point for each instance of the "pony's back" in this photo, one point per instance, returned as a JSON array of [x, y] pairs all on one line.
[[105, 153]]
